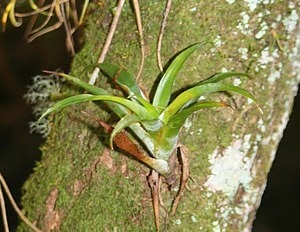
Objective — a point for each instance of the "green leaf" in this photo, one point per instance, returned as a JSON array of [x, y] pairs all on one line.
[[221, 76], [196, 92], [164, 89], [88, 87], [151, 109], [177, 120], [167, 137], [64, 103], [165, 145], [123, 78], [128, 84], [214, 79], [118, 109], [122, 124], [143, 136], [152, 126], [139, 110]]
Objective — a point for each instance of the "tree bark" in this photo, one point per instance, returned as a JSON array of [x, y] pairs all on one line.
[[80, 185]]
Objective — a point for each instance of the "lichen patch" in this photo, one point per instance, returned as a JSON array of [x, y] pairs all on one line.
[[231, 168]]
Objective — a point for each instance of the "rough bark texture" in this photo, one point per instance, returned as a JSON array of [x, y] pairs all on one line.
[[79, 185]]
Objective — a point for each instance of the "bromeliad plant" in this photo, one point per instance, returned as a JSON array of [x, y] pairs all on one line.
[[156, 123]]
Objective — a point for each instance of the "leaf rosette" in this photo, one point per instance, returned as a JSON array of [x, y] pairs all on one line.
[[156, 123]]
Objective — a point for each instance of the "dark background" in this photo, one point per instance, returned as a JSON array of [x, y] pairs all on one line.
[[19, 150]]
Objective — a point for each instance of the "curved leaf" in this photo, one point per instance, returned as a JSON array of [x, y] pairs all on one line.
[[99, 91], [196, 92], [163, 93], [143, 136], [88, 87], [123, 78], [127, 82], [153, 126], [118, 109], [214, 79], [177, 120], [168, 135], [139, 110], [139, 131], [151, 109], [122, 124], [221, 76]]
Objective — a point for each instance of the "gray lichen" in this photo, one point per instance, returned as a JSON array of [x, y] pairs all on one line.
[[39, 94]]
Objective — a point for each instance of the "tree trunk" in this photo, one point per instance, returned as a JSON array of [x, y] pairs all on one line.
[[80, 185]]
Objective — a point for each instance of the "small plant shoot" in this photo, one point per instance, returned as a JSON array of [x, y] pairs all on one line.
[[155, 122]]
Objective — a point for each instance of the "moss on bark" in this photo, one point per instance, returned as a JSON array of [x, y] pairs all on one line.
[[79, 185]]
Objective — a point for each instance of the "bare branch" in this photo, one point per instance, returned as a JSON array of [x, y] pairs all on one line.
[[16, 208], [108, 40], [161, 33]]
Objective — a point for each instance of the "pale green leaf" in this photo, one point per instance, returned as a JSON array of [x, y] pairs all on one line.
[[143, 136], [168, 135]]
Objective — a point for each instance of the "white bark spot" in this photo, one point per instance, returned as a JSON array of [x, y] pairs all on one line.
[[263, 30], [178, 222], [194, 218], [230, 1], [291, 21], [188, 124], [244, 53], [243, 24], [217, 43], [231, 168], [252, 4]]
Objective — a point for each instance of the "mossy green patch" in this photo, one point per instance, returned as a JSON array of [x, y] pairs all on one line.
[[114, 202]]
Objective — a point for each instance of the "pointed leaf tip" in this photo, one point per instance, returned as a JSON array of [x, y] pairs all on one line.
[[197, 91], [164, 89]]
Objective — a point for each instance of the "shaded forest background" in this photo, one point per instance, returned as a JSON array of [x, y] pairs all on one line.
[[19, 150]]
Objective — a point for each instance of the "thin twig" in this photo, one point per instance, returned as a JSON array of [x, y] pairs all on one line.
[[69, 38], [142, 41], [161, 203], [40, 10], [16, 208], [74, 12], [44, 31], [3, 211], [184, 176], [154, 185], [84, 8], [161, 33], [108, 40], [49, 15]]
